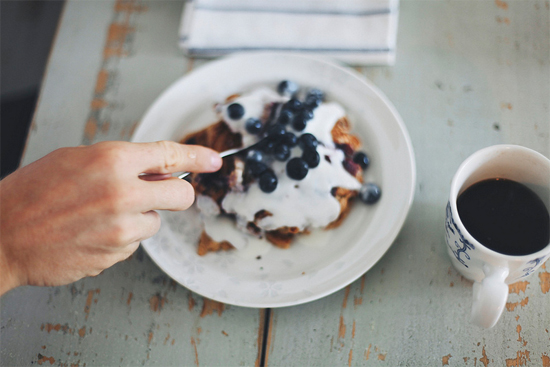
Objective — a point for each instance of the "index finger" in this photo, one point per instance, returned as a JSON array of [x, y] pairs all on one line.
[[168, 157]]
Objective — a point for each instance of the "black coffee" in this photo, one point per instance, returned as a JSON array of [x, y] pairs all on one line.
[[505, 216]]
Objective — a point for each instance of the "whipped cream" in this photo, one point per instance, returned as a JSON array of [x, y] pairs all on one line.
[[306, 204], [254, 104]]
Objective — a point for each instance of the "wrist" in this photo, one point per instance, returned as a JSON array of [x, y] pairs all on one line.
[[8, 280]]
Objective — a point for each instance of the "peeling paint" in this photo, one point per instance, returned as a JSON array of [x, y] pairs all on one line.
[[544, 281], [98, 103], [511, 306], [101, 82], [118, 44], [484, 359], [105, 127], [346, 296], [445, 360], [90, 129], [129, 300], [42, 359], [501, 4], [129, 7], [82, 331], [382, 357], [350, 357], [89, 301], [57, 327], [504, 20], [167, 339], [209, 306], [194, 344], [367, 352], [341, 328], [358, 300], [192, 303], [518, 287], [520, 339], [156, 303], [545, 360], [522, 357]]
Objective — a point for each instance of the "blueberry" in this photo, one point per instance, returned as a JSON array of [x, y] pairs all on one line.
[[308, 141], [253, 125], [281, 152], [299, 124], [301, 120], [369, 193], [312, 102], [254, 155], [276, 131], [287, 88], [268, 181], [307, 115], [311, 157], [235, 111], [361, 159], [290, 139], [315, 93], [293, 104], [297, 168], [285, 117], [256, 168], [267, 146]]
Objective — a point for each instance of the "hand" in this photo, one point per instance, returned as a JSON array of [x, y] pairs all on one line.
[[77, 211]]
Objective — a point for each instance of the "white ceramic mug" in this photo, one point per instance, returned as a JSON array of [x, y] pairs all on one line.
[[492, 271]]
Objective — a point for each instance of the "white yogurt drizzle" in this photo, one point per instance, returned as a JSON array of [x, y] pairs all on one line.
[[254, 104], [306, 204]]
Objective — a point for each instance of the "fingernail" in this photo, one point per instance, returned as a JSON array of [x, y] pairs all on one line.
[[216, 160]]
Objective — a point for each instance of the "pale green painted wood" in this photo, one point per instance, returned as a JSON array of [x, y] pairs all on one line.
[[70, 77], [468, 74], [132, 314], [464, 79]]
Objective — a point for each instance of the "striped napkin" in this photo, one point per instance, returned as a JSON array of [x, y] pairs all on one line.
[[358, 32]]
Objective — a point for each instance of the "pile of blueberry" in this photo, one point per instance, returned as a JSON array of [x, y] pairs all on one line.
[[277, 141]]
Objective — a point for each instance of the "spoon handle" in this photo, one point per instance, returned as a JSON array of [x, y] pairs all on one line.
[[222, 154]]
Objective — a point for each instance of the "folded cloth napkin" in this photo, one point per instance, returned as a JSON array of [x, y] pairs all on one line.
[[358, 32]]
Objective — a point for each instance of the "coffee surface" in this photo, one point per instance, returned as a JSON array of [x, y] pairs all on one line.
[[505, 216]]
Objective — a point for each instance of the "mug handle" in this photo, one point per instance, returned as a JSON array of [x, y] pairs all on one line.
[[490, 296]]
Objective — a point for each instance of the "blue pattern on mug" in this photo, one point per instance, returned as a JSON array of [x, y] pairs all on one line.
[[465, 245], [530, 269]]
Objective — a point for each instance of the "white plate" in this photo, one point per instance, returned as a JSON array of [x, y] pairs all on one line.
[[316, 265]]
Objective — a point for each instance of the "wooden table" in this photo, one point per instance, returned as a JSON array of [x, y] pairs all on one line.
[[469, 74]]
